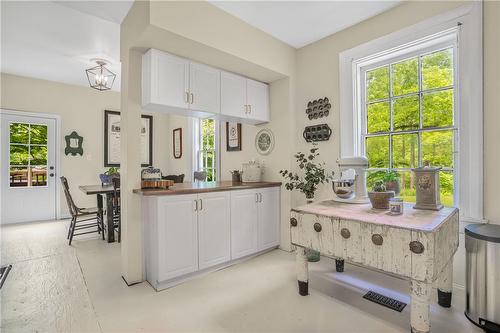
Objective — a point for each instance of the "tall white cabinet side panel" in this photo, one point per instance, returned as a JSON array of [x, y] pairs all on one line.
[[204, 82], [177, 236], [258, 99], [150, 241], [233, 95], [243, 223], [214, 230], [269, 218], [172, 79]]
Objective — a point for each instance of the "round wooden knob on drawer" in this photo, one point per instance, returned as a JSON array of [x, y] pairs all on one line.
[[377, 239], [345, 233], [416, 247], [317, 227], [293, 222]]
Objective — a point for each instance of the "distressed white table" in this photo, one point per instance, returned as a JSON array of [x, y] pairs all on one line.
[[418, 245]]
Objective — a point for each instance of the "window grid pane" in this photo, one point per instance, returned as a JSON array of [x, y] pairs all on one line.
[[430, 133], [207, 154]]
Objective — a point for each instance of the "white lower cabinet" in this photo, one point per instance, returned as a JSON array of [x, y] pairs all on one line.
[[214, 229], [255, 216], [187, 233]]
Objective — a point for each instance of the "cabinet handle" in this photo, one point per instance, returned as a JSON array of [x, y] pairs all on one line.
[[416, 247], [246, 109], [249, 109], [192, 98], [260, 195], [196, 205], [293, 222], [201, 204], [256, 197], [186, 97], [377, 239], [317, 227], [345, 233]]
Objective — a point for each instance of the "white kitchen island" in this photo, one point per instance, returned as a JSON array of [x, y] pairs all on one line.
[[418, 245], [195, 228]]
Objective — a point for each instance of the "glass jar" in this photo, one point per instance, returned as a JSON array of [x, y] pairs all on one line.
[[396, 206]]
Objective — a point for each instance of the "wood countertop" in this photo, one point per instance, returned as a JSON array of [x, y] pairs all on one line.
[[204, 187], [413, 219]]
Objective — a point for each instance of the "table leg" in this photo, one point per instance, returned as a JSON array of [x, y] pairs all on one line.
[[100, 212], [109, 218], [339, 265], [419, 307], [445, 285], [302, 271]]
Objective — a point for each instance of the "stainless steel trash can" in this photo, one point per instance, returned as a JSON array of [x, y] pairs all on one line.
[[482, 246]]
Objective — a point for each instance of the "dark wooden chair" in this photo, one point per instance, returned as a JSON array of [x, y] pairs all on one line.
[[79, 215], [200, 176], [175, 178], [117, 220]]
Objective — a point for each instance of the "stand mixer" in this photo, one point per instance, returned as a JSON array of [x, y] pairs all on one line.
[[351, 187]]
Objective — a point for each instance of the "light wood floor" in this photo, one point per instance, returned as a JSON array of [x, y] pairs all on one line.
[[57, 288]]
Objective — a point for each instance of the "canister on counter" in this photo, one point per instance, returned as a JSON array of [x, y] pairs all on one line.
[[396, 206]]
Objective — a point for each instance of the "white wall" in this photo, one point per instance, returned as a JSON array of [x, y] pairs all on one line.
[[82, 110]]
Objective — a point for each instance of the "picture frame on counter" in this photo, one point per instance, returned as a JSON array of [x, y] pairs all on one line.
[[233, 136], [177, 142], [112, 139]]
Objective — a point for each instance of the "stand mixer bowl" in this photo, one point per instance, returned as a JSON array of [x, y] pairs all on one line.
[[343, 188]]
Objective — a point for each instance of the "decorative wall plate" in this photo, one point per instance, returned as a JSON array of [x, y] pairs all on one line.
[[264, 141]]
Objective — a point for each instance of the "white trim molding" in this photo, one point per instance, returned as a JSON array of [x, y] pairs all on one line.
[[465, 24]]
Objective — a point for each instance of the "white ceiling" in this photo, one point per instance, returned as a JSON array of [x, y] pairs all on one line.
[[299, 23], [55, 41]]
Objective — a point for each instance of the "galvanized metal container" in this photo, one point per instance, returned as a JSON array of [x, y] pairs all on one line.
[[482, 246]]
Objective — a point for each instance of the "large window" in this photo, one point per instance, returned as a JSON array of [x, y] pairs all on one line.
[[207, 156], [408, 118]]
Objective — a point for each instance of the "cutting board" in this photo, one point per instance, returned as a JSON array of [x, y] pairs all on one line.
[[165, 184]]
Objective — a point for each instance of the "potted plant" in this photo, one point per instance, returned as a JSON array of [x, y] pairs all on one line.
[[379, 196], [391, 181], [106, 178], [314, 174]]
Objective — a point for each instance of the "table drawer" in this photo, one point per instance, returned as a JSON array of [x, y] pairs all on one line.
[[313, 232]]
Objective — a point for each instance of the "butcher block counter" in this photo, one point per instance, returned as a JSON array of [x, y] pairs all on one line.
[[418, 245], [204, 187]]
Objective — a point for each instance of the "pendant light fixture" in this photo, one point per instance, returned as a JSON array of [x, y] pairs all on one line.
[[100, 77]]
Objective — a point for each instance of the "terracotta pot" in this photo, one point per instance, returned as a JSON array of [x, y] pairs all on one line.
[[380, 200]]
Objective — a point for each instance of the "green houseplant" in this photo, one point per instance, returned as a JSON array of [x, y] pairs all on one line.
[[313, 174], [391, 181], [379, 196]]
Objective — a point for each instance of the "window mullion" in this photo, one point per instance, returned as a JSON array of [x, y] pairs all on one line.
[[391, 108], [420, 95]]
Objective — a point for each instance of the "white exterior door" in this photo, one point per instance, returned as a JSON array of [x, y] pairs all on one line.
[[214, 228], [258, 99], [28, 157], [204, 82], [243, 223], [177, 236], [269, 217], [233, 95]]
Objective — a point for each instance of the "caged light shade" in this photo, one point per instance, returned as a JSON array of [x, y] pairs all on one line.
[[100, 77]]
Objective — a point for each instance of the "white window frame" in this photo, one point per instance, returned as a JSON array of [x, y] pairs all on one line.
[[196, 147], [464, 24]]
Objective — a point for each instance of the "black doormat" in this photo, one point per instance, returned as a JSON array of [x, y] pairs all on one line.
[[391, 303], [4, 271]]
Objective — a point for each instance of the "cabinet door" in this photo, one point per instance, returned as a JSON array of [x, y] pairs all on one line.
[[244, 215], [177, 236], [233, 95], [204, 83], [172, 79], [269, 218], [214, 214], [258, 100]]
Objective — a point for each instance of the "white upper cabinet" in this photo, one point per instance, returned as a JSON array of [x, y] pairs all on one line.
[[258, 100], [176, 85], [233, 95], [165, 80], [204, 82], [243, 99]]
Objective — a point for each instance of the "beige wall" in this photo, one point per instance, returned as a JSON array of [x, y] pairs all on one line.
[[82, 110]]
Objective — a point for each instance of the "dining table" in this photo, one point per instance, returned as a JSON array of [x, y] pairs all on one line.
[[103, 191]]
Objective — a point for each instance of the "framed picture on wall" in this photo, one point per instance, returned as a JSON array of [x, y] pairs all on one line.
[[112, 130], [177, 142], [233, 136]]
